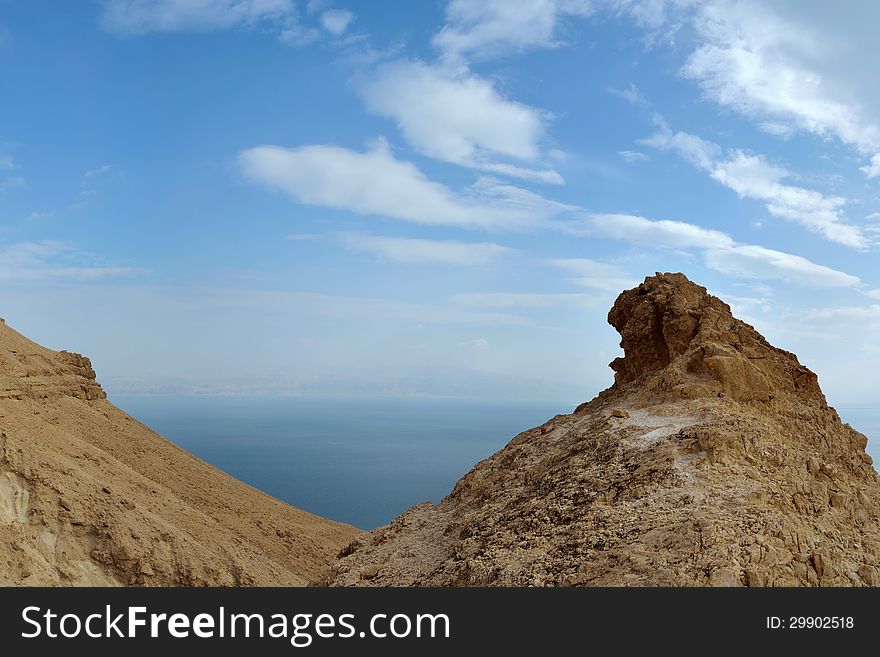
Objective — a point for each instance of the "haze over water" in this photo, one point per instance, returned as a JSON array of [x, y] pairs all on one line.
[[360, 460]]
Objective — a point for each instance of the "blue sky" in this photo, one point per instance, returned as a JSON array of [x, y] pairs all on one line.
[[418, 198]]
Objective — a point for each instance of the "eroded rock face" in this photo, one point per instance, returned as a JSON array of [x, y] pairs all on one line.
[[714, 459], [681, 342], [89, 496]]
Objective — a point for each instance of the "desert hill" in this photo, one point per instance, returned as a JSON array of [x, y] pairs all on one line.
[[714, 459], [89, 496]]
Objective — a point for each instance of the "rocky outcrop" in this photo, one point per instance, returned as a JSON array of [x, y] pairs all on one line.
[[28, 373], [714, 459], [89, 496], [680, 342]]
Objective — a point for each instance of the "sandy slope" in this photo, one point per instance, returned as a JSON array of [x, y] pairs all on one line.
[[89, 496]]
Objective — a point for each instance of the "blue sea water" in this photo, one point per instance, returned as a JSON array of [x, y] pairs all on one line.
[[358, 460]]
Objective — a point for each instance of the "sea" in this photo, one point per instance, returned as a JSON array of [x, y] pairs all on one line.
[[358, 460]]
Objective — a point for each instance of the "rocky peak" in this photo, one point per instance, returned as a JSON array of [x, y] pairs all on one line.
[[28, 370], [681, 342], [712, 460]]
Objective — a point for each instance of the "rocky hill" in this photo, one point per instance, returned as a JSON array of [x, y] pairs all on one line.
[[89, 496], [714, 459]]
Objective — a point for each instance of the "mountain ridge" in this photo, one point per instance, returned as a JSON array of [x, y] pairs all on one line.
[[90, 496]]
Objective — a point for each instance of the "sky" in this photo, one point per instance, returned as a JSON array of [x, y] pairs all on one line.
[[417, 198]]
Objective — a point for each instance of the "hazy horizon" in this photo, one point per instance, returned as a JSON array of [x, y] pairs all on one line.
[[327, 197]]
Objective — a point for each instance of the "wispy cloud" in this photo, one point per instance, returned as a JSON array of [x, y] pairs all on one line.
[[524, 300], [143, 16], [375, 182], [758, 262], [596, 275], [648, 232], [8, 181], [97, 171], [484, 28], [336, 21], [408, 250], [872, 170], [632, 156], [454, 115], [753, 177], [757, 61], [37, 261], [631, 94], [722, 253], [12, 182], [871, 312], [138, 17]]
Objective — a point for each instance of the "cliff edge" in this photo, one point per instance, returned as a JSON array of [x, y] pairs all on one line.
[[89, 496], [714, 459]]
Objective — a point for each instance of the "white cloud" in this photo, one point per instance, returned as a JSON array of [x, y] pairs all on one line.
[[632, 156], [790, 65], [699, 152], [722, 252], [375, 182], [631, 94], [596, 275], [874, 294], [651, 14], [7, 163], [523, 300], [302, 237], [480, 344], [872, 170], [484, 28], [143, 16], [336, 21], [37, 261], [295, 34], [451, 114], [663, 233], [408, 250], [764, 61], [548, 176], [497, 194], [847, 312], [752, 261], [753, 177]]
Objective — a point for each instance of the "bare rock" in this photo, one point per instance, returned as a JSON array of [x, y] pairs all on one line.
[[89, 496], [730, 470], [370, 572]]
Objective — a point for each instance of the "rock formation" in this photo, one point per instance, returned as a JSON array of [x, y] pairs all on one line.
[[714, 459], [89, 496]]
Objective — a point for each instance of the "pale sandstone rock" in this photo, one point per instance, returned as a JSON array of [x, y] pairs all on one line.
[[89, 496], [730, 470]]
